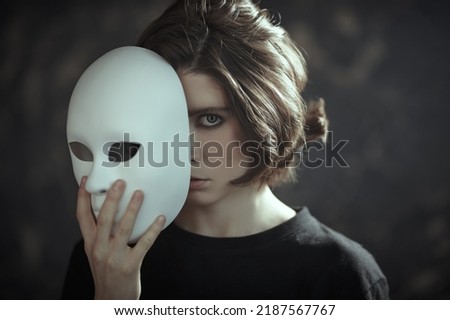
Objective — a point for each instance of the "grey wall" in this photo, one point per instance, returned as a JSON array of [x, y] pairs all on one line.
[[381, 67]]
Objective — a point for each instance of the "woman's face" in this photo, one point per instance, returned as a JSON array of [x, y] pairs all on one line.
[[216, 157]]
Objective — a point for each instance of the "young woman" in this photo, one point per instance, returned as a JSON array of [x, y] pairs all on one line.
[[233, 239]]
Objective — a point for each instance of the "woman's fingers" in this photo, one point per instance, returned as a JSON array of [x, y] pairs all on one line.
[[100, 232], [148, 239], [115, 266], [105, 220], [126, 225], [84, 213]]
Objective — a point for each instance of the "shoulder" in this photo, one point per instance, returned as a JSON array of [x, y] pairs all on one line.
[[345, 265]]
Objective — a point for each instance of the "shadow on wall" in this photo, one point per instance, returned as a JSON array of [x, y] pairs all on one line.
[[381, 67]]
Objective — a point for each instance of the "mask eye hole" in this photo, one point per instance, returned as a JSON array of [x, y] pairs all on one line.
[[81, 151], [123, 151]]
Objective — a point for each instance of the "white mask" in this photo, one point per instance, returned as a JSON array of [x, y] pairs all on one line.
[[131, 95]]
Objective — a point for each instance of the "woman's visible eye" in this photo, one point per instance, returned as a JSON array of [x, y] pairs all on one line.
[[210, 120]]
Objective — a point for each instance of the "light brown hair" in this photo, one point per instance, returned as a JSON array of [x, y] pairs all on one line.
[[259, 67]]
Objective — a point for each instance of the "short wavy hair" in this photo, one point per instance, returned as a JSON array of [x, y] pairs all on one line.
[[259, 67]]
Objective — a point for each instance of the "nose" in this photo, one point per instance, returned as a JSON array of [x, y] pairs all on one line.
[[100, 179], [196, 150]]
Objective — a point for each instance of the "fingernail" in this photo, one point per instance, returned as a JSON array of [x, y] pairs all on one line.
[[161, 219], [117, 185], [138, 196], [83, 181]]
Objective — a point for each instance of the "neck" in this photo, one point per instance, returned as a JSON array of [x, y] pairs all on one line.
[[246, 211]]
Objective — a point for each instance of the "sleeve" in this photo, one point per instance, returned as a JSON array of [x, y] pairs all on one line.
[[352, 273], [378, 291], [362, 276], [78, 284], [349, 283]]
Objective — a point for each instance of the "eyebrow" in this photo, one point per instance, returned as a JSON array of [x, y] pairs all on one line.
[[195, 111]]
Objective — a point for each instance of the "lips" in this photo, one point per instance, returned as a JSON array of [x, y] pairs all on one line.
[[197, 183]]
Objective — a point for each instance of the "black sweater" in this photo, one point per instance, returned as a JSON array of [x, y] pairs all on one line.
[[299, 259]]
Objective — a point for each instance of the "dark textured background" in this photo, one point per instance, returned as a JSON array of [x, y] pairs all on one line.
[[381, 66]]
